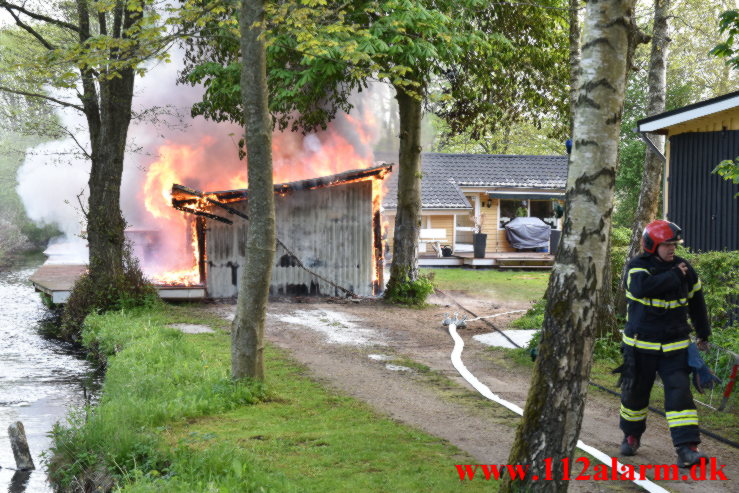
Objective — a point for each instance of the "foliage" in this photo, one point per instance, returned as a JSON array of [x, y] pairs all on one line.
[[129, 290], [729, 170], [170, 419], [632, 149], [411, 293], [524, 137], [719, 275], [729, 27], [319, 52], [11, 240], [620, 236], [533, 318]]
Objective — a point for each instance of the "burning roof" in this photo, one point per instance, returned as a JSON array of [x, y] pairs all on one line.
[[183, 196]]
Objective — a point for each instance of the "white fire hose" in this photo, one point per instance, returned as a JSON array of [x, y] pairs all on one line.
[[487, 393]]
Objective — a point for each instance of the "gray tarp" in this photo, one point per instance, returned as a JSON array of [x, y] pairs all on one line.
[[528, 232]]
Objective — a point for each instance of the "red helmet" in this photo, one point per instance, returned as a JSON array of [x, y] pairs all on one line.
[[660, 231]]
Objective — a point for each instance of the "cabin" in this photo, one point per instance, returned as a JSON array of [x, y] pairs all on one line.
[[328, 235], [698, 137], [464, 192]]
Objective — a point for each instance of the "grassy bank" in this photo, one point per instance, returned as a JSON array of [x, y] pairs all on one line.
[[170, 419]]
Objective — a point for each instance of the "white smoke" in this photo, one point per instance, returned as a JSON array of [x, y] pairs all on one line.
[[52, 175]]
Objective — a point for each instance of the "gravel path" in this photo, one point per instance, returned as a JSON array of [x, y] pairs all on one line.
[[358, 347]]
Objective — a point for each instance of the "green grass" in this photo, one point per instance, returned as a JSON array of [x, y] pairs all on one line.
[[170, 419], [515, 286]]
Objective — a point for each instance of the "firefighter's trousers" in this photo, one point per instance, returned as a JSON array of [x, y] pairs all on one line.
[[682, 416]]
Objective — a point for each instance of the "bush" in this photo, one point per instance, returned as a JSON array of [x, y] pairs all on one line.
[[129, 290], [533, 318], [411, 293], [620, 237]]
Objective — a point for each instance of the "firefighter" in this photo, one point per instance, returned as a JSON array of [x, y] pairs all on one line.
[[662, 290]]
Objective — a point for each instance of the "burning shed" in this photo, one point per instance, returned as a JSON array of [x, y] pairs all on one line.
[[328, 230]]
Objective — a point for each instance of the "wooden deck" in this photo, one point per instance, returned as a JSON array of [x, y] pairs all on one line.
[[57, 281], [508, 260]]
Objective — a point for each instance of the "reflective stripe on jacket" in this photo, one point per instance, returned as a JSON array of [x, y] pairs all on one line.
[[660, 300]]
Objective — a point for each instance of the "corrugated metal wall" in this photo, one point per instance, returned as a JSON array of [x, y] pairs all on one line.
[[699, 201], [328, 229]]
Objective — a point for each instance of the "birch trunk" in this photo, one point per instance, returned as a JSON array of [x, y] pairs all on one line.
[[554, 408], [646, 210], [247, 330], [404, 266]]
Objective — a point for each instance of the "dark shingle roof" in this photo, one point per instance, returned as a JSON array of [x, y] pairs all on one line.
[[444, 174]]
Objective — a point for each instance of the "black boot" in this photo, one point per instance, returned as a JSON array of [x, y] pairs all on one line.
[[630, 445], [688, 455]]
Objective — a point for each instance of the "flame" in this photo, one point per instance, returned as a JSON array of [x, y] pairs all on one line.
[[213, 164]]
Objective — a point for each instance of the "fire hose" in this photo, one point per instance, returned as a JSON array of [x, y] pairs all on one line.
[[485, 391], [727, 391]]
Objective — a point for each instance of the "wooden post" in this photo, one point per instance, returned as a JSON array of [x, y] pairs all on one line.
[[18, 442], [379, 261], [200, 232]]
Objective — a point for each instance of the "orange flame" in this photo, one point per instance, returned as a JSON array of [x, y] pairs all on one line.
[[209, 165]]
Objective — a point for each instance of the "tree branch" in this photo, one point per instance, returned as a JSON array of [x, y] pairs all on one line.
[[42, 96], [30, 30], [39, 17], [69, 132]]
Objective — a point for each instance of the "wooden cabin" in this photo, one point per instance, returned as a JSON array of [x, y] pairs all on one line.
[[462, 191]]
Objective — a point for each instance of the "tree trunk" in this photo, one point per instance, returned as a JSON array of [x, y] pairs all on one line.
[[554, 408], [646, 210], [108, 116], [105, 223], [247, 331], [404, 266]]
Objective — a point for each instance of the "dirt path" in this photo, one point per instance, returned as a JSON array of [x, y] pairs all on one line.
[[359, 347]]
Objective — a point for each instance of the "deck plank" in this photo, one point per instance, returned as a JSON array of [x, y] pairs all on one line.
[[57, 277]]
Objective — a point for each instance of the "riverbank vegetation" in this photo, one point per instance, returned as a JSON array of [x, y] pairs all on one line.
[[170, 418]]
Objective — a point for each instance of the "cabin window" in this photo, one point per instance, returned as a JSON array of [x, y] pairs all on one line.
[[511, 209]]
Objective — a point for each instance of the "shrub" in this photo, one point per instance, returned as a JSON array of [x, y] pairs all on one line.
[[129, 290], [620, 237], [533, 318], [411, 293]]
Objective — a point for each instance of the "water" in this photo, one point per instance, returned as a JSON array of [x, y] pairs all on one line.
[[40, 379]]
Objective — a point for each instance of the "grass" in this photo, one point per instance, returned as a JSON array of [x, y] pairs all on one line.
[[512, 286], [170, 419]]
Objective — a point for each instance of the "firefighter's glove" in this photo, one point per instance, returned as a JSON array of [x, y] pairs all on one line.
[[703, 377], [627, 371]]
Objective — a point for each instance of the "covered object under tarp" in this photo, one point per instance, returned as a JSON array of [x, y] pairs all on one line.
[[528, 232]]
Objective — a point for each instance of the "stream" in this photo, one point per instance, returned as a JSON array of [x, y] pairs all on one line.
[[41, 379]]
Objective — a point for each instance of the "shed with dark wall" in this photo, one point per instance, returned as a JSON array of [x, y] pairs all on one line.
[[699, 137]]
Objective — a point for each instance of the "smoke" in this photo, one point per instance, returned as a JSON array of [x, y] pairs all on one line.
[[166, 148]]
